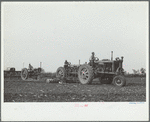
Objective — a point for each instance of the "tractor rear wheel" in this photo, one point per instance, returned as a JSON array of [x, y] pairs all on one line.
[[85, 74], [119, 81], [24, 74], [61, 73]]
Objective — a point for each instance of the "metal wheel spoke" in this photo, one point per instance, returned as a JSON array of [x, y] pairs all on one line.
[[86, 73], [83, 76], [85, 70], [24, 75], [60, 74], [24, 72]]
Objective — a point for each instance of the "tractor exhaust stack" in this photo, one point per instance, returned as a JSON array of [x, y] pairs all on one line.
[[111, 55]]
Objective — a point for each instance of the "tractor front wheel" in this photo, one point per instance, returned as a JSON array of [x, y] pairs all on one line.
[[61, 73], [119, 81]]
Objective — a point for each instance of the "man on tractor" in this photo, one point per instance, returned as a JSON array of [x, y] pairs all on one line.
[[66, 64], [93, 59], [30, 67]]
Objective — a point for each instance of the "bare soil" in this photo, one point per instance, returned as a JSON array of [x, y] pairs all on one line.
[[40, 91]]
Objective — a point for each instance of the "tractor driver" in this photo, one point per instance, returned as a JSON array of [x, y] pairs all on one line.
[[30, 67], [66, 64], [93, 59]]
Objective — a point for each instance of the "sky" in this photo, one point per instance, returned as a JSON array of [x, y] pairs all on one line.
[[52, 32]]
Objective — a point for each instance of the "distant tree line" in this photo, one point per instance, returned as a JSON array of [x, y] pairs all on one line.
[[136, 73]]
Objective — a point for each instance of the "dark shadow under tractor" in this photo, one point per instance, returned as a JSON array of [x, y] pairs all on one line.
[[106, 70]]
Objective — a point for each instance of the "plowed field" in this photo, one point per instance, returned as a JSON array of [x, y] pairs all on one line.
[[40, 91]]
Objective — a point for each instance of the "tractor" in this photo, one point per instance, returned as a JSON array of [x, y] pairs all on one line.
[[106, 70], [30, 72]]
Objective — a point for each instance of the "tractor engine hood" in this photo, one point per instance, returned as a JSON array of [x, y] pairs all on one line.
[[74, 65], [101, 62]]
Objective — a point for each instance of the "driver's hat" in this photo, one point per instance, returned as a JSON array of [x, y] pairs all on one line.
[[92, 52]]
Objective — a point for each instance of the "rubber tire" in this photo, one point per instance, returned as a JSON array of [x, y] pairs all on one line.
[[27, 74], [90, 72], [123, 80], [64, 72]]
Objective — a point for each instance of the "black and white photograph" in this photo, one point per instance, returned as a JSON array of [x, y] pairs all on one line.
[[79, 61]]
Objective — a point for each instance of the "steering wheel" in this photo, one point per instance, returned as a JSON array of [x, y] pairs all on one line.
[[96, 59]]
